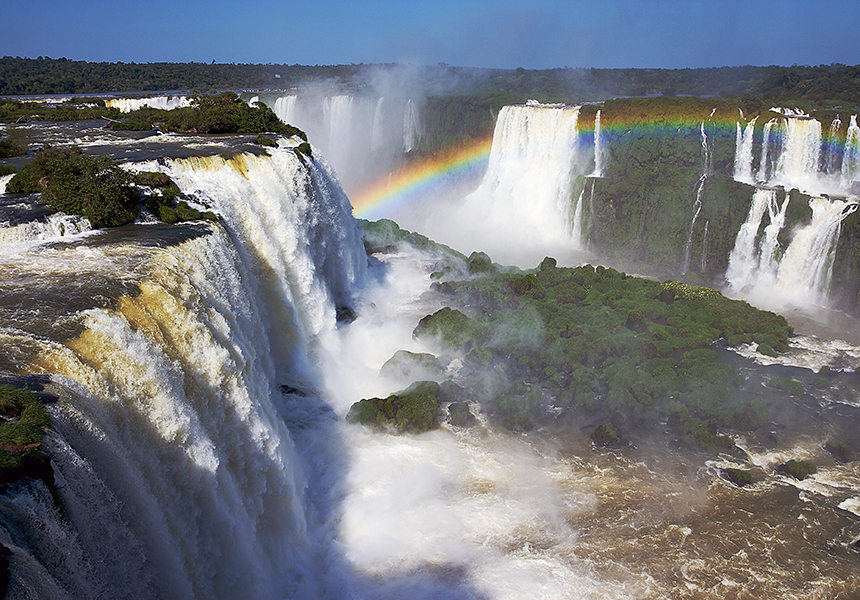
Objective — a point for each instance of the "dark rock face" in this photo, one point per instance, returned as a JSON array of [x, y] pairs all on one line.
[[459, 415]]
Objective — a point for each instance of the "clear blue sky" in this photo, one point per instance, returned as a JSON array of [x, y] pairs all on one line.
[[534, 34]]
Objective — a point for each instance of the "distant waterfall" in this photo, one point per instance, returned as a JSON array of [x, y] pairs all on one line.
[[598, 148], [524, 204], [162, 102], [798, 161], [707, 168], [797, 274], [410, 126], [834, 153], [361, 137], [765, 168], [744, 152]]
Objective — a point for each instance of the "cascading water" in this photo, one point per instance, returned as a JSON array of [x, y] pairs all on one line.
[[851, 154], [362, 137], [598, 148], [707, 168], [524, 206], [162, 102], [173, 455], [744, 152]]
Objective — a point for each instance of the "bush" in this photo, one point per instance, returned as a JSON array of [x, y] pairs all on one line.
[[787, 384], [413, 410], [77, 184], [25, 419]]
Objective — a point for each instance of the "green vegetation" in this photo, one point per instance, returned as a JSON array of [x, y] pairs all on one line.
[[95, 187], [737, 476], [787, 384], [412, 410], [77, 184], [798, 469], [620, 350], [23, 420], [840, 451], [211, 114], [14, 144]]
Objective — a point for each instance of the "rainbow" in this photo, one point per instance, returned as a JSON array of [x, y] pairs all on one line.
[[421, 178]]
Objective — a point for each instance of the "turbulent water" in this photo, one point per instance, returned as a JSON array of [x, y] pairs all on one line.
[[202, 377]]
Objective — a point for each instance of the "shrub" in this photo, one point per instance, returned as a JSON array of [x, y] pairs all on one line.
[[787, 384], [77, 184]]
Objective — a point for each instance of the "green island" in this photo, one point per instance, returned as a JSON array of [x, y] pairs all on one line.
[[98, 189], [624, 353]]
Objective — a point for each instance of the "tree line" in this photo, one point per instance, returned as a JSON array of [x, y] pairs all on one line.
[[42, 75]]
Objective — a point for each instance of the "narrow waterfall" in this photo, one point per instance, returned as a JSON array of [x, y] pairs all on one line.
[[187, 388], [851, 154], [410, 126], [834, 152], [765, 167], [707, 168], [744, 152], [598, 148]]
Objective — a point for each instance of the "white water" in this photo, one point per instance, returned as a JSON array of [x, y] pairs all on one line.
[[163, 102], [797, 275], [362, 137], [598, 148], [524, 208], [744, 152], [851, 154]]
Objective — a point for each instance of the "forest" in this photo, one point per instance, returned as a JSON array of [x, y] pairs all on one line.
[[821, 83]]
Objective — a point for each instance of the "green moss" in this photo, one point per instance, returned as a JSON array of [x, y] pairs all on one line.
[[21, 432], [792, 386], [737, 476], [413, 410], [798, 469]]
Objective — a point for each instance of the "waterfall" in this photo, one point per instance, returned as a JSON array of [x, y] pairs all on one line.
[[576, 234], [294, 216], [162, 102], [598, 148], [805, 269], [410, 126], [798, 274], [765, 168], [797, 165], [704, 262], [707, 168], [180, 461], [524, 204], [744, 152], [362, 137], [833, 151], [851, 154]]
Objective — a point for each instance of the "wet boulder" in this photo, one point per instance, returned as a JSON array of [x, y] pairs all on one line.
[[413, 410]]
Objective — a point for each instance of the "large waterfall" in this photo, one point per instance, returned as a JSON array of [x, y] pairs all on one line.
[[361, 136], [526, 205], [181, 359]]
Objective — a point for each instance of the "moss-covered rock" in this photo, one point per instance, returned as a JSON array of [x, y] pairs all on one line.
[[840, 451], [411, 366], [738, 477], [460, 415], [798, 469], [413, 410], [606, 436], [21, 432]]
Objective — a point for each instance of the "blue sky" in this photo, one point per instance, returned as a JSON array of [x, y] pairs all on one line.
[[534, 34]]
